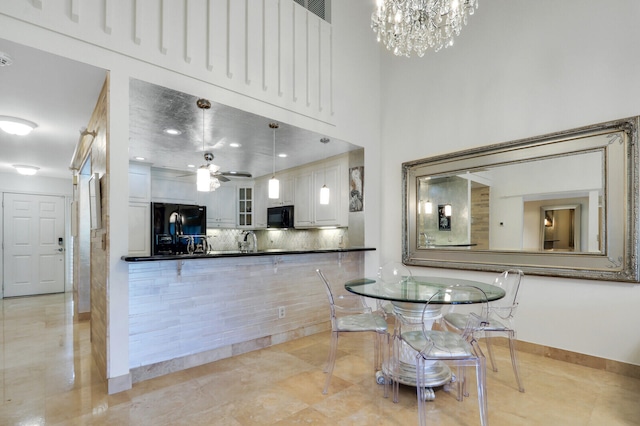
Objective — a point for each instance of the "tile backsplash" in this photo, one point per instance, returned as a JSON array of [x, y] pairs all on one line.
[[290, 239]]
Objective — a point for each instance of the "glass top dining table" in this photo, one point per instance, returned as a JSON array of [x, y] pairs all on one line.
[[409, 297], [419, 289]]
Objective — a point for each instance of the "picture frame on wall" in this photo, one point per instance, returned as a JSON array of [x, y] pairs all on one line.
[[356, 189], [444, 219]]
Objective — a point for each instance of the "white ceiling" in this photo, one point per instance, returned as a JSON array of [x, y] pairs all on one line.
[[60, 94]]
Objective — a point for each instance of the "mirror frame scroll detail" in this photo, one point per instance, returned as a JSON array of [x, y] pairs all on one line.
[[618, 261]]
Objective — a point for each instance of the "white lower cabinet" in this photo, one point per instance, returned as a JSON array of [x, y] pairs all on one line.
[[221, 206], [139, 229]]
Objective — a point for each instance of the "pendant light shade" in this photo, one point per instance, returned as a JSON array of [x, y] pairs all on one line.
[[324, 195], [203, 179], [274, 188], [274, 184], [325, 192]]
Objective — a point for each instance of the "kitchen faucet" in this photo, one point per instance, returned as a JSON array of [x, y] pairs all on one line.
[[254, 240]]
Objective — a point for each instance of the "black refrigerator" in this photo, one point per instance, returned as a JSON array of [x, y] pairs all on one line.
[[174, 225]]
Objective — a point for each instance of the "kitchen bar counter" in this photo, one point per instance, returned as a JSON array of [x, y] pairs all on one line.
[[194, 309], [237, 253]]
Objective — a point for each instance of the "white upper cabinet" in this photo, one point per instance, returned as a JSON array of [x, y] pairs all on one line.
[[309, 213], [286, 191], [221, 206], [173, 187], [260, 203], [139, 182], [245, 206]]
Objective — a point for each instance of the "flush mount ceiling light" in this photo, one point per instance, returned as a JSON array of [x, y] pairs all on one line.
[[16, 126], [274, 184], [404, 26], [26, 170]]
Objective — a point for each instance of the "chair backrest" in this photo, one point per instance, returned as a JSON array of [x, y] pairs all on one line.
[[393, 272], [472, 297], [509, 281], [329, 296]]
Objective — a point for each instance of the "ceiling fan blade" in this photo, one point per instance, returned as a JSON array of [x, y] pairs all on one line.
[[236, 174], [221, 178]]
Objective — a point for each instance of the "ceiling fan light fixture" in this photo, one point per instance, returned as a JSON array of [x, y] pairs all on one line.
[[203, 179], [16, 126]]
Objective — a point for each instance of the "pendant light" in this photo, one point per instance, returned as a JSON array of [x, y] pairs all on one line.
[[203, 176], [324, 191], [274, 184]]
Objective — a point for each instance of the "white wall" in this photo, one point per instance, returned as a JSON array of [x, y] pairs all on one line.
[[521, 69]]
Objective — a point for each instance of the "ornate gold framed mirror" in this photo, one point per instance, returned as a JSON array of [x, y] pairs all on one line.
[[562, 204]]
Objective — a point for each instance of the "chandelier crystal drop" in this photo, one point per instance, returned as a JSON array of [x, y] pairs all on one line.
[[406, 26]]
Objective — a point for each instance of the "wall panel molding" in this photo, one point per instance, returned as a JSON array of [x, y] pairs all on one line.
[[268, 50]]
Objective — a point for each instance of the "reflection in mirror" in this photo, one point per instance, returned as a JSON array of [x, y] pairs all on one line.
[[512, 192], [564, 204], [560, 230]]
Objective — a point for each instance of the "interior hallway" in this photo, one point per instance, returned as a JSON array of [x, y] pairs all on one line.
[[48, 377]]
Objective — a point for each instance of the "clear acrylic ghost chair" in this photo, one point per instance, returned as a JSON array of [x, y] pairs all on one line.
[[391, 273], [354, 318], [459, 350], [501, 319]]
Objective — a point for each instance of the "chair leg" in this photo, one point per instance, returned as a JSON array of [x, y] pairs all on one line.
[[514, 359], [487, 340], [420, 391], [394, 366], [386, 365], [332, 360], [481, 368]]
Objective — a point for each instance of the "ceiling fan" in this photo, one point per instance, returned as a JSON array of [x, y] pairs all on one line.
[[214, 170], [209, 176]]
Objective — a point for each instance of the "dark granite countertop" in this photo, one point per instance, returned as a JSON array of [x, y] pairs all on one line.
[[237, 253]]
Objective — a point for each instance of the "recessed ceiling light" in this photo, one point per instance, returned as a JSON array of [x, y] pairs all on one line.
[[282, 155], [26, 170], [173, 132], [16, 126], [140, 158], [191, 166], [234, 145]]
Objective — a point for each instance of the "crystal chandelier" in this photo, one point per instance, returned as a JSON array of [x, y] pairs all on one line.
[[416, 25]]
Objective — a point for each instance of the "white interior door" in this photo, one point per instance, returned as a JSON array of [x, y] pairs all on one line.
[[33, 244]]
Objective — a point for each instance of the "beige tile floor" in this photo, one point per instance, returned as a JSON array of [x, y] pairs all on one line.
[[48, 377]]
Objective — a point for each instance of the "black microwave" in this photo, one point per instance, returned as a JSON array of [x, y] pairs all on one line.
[[280, 217]]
